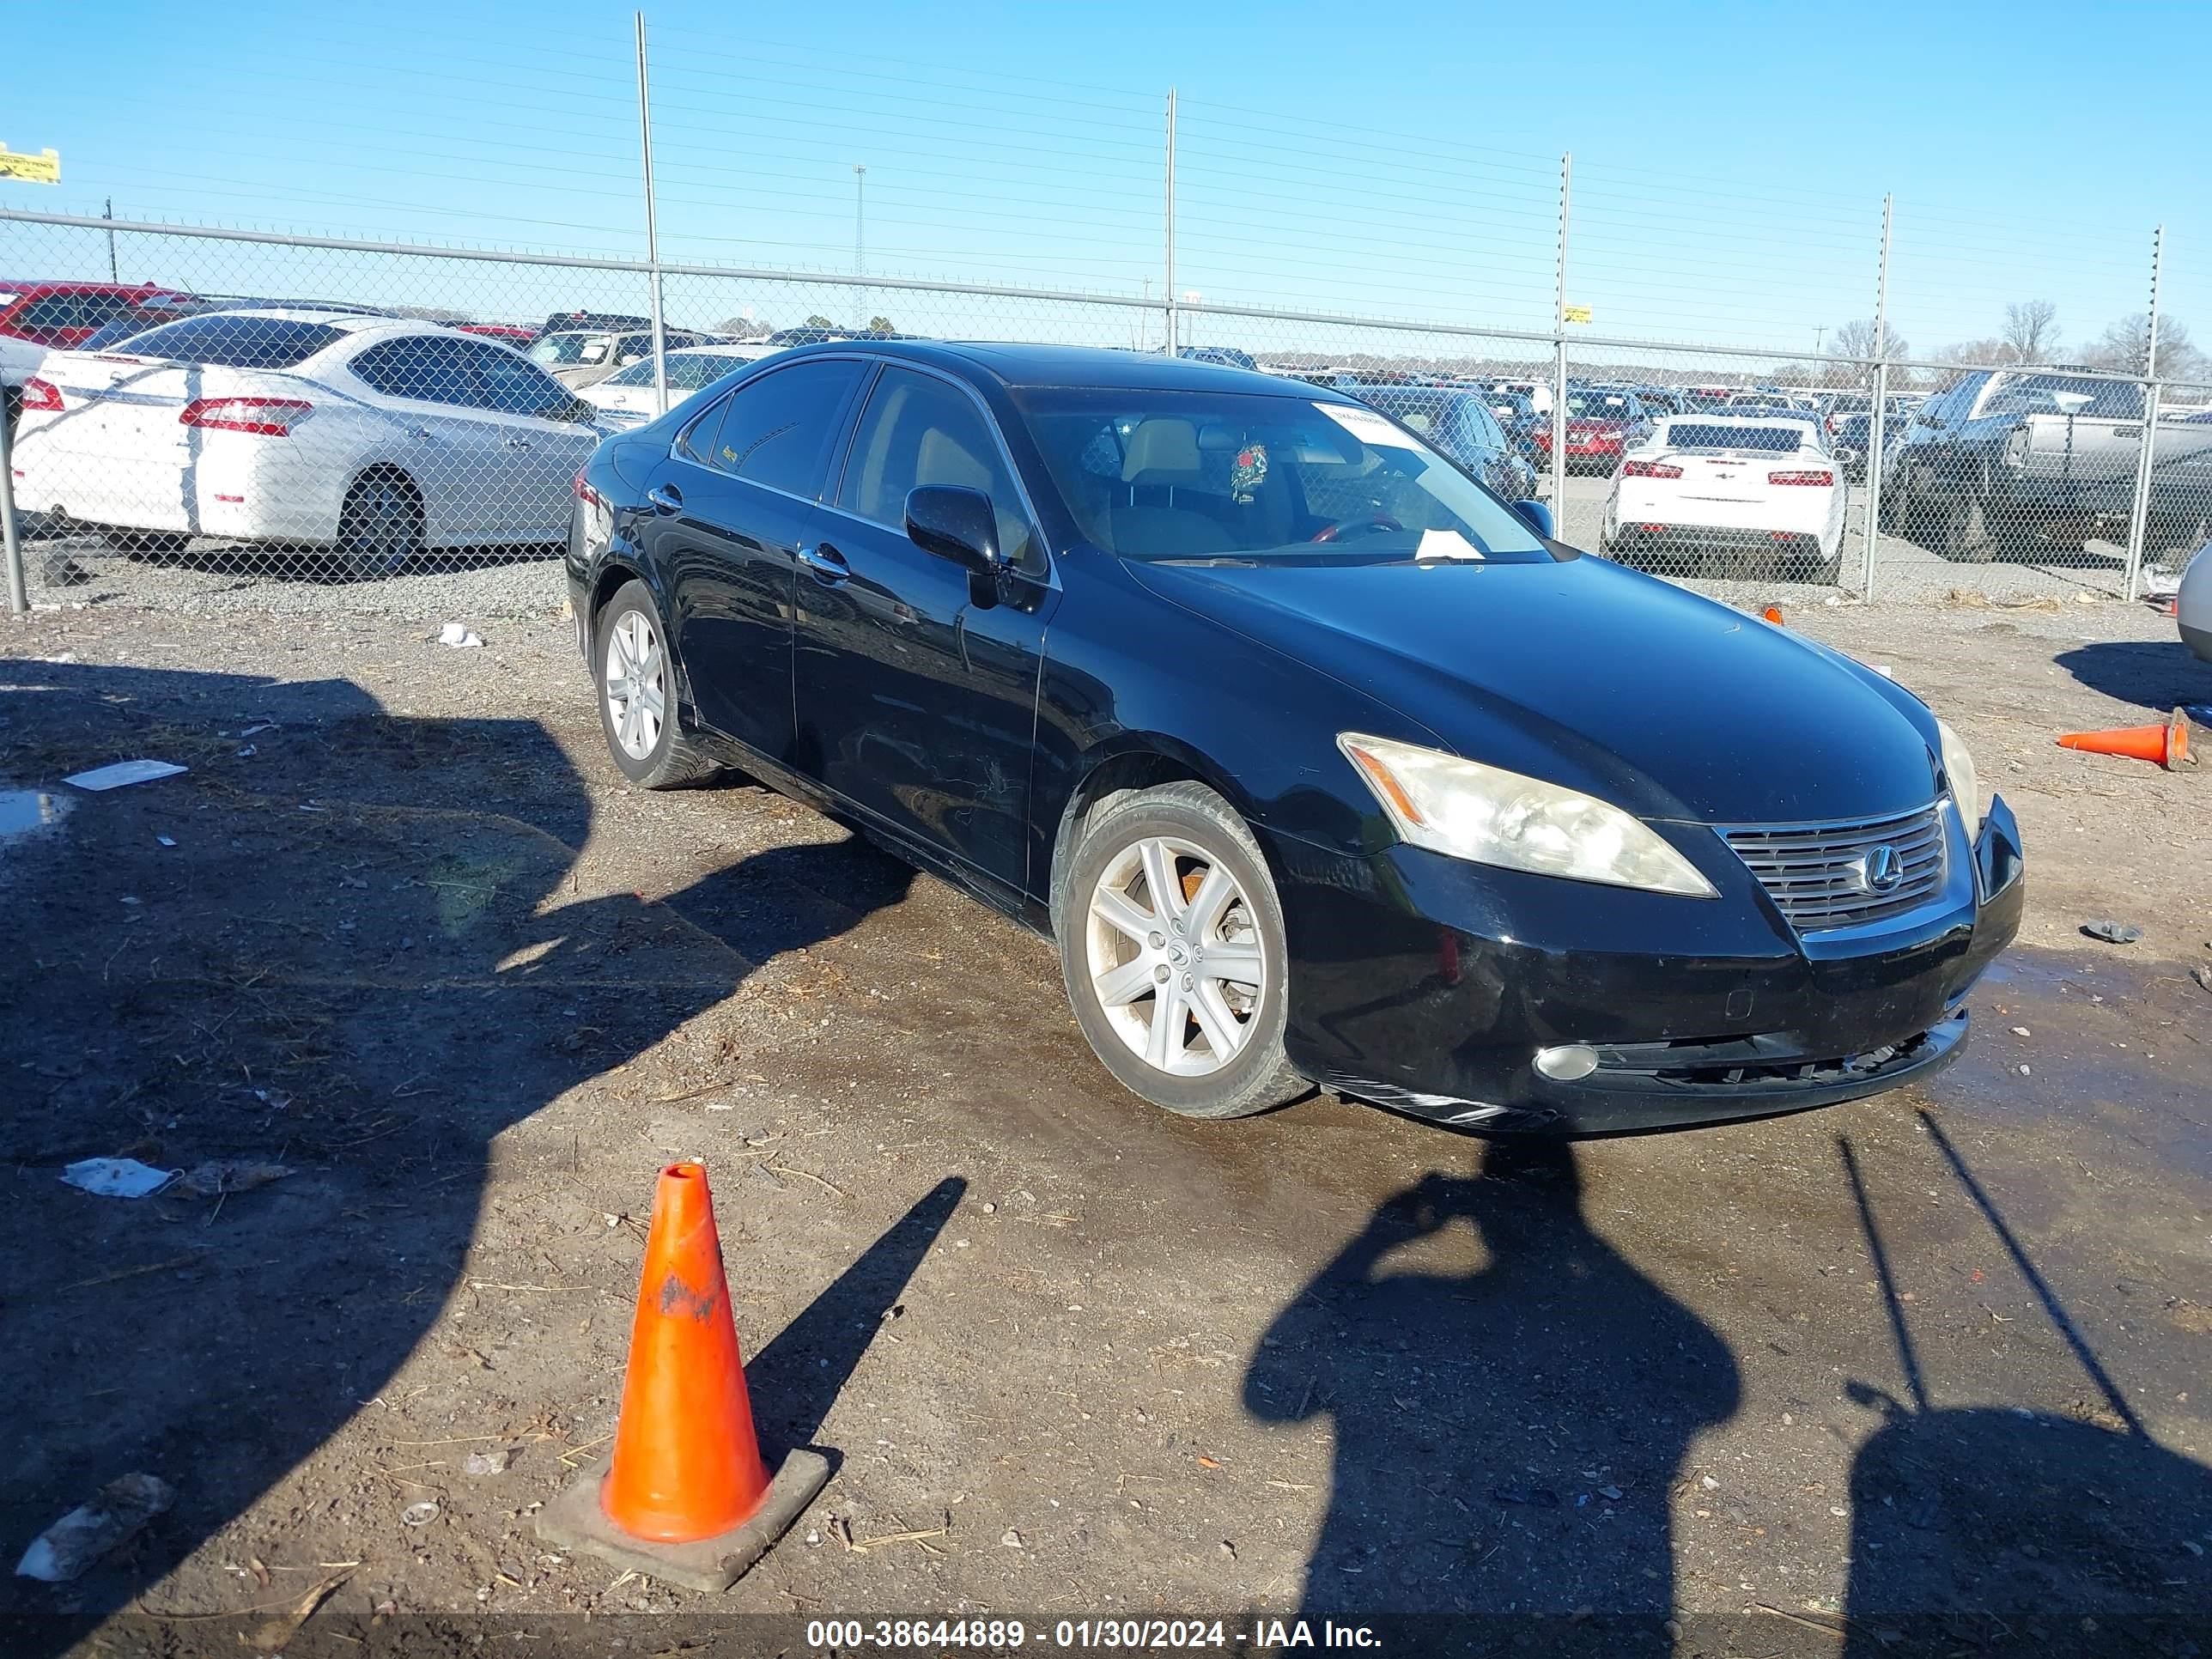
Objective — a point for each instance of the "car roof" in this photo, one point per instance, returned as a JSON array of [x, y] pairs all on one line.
[[1107, 366], [45, 285], [345, 322]]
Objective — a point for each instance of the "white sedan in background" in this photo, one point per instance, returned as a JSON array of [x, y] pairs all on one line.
[[373, 437], [628, 399], [1765, 488]]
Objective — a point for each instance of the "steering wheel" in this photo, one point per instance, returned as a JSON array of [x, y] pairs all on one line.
[[1360, 522]]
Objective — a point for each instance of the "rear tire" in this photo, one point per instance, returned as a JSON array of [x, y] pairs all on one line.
[[1221, 1054], [1966, 536], [141, 544], [380, 527], [634, 673]]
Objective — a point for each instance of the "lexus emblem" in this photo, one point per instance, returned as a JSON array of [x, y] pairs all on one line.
[[1880, 871]]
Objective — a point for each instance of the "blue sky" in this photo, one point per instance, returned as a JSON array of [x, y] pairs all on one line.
[[1731, 160]]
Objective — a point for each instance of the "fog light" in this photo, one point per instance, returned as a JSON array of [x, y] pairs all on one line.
[[1569, 1062]]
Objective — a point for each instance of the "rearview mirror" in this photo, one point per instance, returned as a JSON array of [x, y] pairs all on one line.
[[956, 523], [1538, 518]]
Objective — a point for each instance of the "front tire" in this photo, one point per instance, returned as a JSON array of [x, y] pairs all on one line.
[[1172, 946], [638, 705]]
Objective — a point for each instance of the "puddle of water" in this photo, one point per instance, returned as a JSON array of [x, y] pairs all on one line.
[[26, 812]]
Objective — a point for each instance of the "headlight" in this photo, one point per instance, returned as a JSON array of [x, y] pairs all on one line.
[[1469, 811], [1966, 783]]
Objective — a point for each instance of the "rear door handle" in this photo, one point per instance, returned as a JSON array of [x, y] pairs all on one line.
[[827, 564], [666, 498]]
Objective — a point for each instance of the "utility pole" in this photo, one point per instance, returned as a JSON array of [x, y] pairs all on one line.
[[2139, 520], [107, 212], [651, 228], [860, 238], [1559, 352], [1168, 288], [1877, 426]]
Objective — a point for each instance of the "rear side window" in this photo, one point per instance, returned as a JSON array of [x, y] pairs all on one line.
[[223, 340], [775, 430], [1759, 440], [427, 368]]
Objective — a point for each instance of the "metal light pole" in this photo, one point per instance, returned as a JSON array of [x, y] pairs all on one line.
[[2139, 520], [107, 212], [11, 545], [1169, 289], [652, 228], [1559, 350], [1877, 426]]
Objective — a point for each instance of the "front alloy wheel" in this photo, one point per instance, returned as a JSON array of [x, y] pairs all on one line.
[[1172, 946]]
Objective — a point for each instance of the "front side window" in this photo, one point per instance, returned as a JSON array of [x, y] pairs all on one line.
[[775, 429], [919, 431], [513, 386], [1251, 476]]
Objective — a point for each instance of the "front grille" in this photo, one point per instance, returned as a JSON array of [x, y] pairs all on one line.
[[1816, 873]]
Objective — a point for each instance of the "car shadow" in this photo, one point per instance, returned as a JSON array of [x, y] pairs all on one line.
[[322, 948], [2157, 674], [2000, 1530], [1512, 1401]]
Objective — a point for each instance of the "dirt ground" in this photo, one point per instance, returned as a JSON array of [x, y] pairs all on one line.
[[1930, 1367]]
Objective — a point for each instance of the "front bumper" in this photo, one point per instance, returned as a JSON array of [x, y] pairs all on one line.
[[1427, 984]]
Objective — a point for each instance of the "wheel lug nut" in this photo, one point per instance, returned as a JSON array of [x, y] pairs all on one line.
[[1160, 975], [1188, 983], [1159, 941]]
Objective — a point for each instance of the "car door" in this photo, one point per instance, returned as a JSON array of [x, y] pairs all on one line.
[[916, 695], [454, 449], [543, 439], [733, 501]]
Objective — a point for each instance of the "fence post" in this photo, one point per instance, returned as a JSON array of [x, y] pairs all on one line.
[[1559, 352], [11, 541], [2146, 460], [651, 228], [1171, 289], [1877, 427]]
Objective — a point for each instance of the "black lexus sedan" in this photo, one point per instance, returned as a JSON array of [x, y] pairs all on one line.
[[1320, 763]]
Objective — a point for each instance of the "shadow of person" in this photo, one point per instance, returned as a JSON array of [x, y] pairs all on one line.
[[2159, 674], [1999, 1530], [359, 945], [1512, 1401]]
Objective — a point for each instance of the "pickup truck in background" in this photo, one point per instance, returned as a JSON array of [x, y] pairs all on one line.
[[2013, 460]]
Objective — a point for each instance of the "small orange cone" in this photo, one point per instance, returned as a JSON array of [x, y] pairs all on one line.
[[1773, 614], [686, 1497], [2166, 744]]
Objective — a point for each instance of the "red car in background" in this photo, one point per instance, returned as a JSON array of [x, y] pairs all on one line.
[[1599, 425], [513, 333], [60, 315]]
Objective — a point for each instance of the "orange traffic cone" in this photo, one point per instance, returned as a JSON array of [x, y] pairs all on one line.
[[686, 1497], [1773, 614], [2166, 744]]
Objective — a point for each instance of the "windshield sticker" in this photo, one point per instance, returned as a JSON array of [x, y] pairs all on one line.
[[1440, 545], [1248, 474], [1367, 426]]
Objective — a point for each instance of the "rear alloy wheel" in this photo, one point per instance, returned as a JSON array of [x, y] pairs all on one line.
[[638, 706], [380, 529], [1172, 948]]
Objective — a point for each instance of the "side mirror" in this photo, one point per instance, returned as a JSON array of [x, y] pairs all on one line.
[[1846, 455], [633, 357], [956, 523], [1538, 518]]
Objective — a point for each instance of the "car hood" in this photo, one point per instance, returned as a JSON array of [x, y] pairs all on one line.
[[1591, 676]]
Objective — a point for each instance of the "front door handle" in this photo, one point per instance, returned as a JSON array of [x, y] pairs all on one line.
[[827, 564], [666, 498]]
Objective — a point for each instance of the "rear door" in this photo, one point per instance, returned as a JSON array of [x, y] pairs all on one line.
[[915, 703], [454, 447], [733, 501]]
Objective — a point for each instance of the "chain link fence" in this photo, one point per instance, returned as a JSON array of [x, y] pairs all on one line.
[[342, 422]]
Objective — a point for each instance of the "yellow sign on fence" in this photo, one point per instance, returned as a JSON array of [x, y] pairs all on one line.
[[1574, 313], [44, 168]]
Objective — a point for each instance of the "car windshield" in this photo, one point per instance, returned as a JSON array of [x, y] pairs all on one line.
[[1600, 406], [562, 350], [231, 340], [1712, 434], [2066, 394], [1249, 477]]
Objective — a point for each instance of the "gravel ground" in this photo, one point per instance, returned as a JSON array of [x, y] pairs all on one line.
[[1925, 1373]]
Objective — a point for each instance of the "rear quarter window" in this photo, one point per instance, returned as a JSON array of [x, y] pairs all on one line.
[[224, 341]]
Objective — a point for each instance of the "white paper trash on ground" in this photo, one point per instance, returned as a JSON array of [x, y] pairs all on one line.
[[458, 634], [123, 772], [117, 1177], [80, 1538]]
